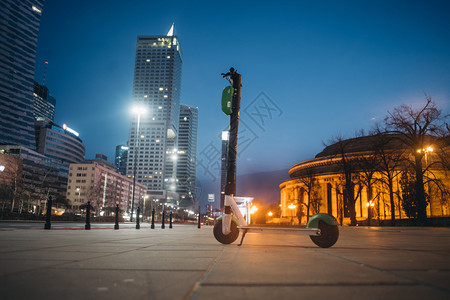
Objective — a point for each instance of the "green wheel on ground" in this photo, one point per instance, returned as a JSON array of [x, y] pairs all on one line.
[[329, 235], [225, 238]]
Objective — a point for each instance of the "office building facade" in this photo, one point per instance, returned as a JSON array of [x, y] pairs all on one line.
[[18, 41], [58, 143], [43, 103], [40, 177], [97, 181], [120, 160], [187, 154], [156, 88]]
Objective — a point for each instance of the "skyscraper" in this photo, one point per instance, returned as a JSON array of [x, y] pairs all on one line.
[[187, 154], [156, 87], [121, 159], [19, 30], [43, 103]]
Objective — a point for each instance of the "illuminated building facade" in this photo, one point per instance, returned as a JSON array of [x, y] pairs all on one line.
[[18, 41], [41, 177], [58, 143], [187, 154], [320, 182], [156, 87], [97, 181]]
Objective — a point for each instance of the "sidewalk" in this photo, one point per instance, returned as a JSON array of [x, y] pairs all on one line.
[[188, 263]]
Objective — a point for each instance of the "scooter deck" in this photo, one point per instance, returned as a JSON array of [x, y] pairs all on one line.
[[303, 231]]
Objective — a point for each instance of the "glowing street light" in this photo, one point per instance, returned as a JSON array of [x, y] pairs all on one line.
[[136, 110], [270, 214], [253, 209]]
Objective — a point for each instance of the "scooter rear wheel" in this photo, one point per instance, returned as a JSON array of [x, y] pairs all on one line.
[[329, 235], [225, 238]]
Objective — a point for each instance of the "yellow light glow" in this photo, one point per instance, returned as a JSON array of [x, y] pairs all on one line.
[[270, 213], [36, 9], [253, 209], [292, 206]]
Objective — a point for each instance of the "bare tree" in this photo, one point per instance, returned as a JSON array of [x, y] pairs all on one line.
[[348, 166], [390, 160], [414, 128], [311, 186]]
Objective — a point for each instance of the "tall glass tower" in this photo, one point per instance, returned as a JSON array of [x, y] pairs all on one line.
[[19, 28], [156, 90], [187, 154]]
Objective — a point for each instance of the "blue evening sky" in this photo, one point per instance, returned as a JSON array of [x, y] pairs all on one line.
[[325, 67]]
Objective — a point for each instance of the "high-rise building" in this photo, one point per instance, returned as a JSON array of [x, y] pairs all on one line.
[[19, 28], [156, 87], [187, 154], [59, 143], [120, 161], [43, 103]]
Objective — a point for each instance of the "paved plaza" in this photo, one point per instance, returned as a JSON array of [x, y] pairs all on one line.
[[188, 263]]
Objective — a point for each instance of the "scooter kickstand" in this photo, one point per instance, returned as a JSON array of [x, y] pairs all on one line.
[[242, 238]]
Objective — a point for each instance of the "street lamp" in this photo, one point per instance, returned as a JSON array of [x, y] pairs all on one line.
[[137, 110], [78, 190], [425, 151], [143, 211], [292, 207]]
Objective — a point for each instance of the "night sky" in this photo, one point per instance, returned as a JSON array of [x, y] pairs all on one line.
[[313, 69]]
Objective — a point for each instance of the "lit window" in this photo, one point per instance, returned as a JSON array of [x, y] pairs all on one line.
[[161, 89], [165, 96], [36, 9], [168, 56], [159, 107], [145, 96], [148, 60]]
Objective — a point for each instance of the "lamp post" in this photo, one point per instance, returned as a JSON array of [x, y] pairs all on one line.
[[143, 210], [425, 151], [292, 207], [78, 190], [138, 111]]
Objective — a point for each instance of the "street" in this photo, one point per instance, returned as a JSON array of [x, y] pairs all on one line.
[[188, 263]]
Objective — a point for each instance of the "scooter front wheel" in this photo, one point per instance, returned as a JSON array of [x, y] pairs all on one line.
[[329, 235], [225, 238]]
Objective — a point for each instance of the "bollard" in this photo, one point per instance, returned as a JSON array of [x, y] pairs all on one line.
[[170, 220], [153, 219], [88, 216], [162, 223], [138, 226], [199, 225], [116, 224], [48, 224]]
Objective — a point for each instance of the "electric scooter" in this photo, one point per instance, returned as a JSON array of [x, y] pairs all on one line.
[[322, 228]]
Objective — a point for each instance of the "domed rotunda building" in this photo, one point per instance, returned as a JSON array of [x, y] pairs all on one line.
[[318, 185]]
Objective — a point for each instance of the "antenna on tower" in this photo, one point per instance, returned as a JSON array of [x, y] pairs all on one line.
[[45, 71]]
